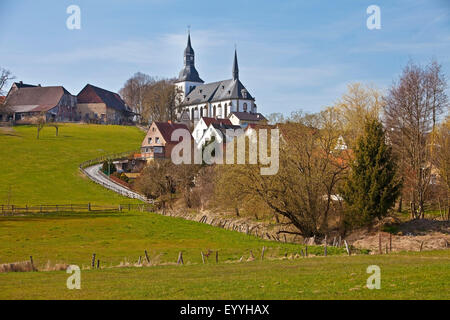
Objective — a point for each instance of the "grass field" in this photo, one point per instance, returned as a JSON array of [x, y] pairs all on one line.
[[403, 276], [45, 171], [116, 237]]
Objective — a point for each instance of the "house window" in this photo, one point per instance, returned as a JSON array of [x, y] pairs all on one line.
[[245, 107], [149, 140], [156, 140], [158, 149]]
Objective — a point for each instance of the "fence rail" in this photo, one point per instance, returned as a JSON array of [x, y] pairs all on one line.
[[10, 209]]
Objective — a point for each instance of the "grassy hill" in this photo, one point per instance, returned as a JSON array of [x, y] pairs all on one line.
[[45, 171]]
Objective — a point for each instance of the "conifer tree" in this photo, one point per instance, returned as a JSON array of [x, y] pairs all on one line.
[[372, 186]]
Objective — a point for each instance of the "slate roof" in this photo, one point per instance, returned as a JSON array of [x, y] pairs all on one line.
[[93, 94], [35, 99], [247, 116], [224, 127], [166, 129], [217, 91]]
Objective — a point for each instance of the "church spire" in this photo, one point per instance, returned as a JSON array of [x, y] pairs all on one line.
[[189, 73], [235, 67]]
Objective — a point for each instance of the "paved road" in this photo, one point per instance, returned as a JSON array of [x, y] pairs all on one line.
[[93, 172]]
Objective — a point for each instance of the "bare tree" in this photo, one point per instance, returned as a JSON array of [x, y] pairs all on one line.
[[5, 77], [310, 169], [413, 106], [134, 90]]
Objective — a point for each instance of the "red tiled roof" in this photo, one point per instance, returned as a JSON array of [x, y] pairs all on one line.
[[38, 98], [93, 94], [166, 129], [2, 99], [209, 120]]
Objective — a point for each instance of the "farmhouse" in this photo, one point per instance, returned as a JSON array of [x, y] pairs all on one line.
[[218, 132], [216, 99], [157, 143], [27, 104], [102, 106]]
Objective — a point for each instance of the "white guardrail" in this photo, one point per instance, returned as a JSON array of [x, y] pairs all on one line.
[[122, 190]]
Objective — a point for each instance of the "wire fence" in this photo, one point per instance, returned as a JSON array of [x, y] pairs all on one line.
[[10, 209]]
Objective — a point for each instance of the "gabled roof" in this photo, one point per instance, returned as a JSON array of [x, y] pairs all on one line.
[[93, 94], [217, 91], [23, 85], [35, 99], [209, 120], [166, 129], [248, 116]]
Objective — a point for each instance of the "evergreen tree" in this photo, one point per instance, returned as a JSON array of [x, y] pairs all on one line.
[[372, 187]]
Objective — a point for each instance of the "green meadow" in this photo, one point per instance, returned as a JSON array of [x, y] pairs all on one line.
[[45, 171], [403, 276]]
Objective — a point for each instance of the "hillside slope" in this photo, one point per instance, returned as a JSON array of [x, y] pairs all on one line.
[[45, 171]]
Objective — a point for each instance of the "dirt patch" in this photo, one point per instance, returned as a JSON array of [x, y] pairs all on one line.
[[424, 227]]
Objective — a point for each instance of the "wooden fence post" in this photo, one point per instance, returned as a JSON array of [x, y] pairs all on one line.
[[306, 251], [380, 251], [32, 263], [89, 206], [325, 249], [146, 256], [421, 246], [217, 256], [93, 260], [390, 242], [98, 264], [180, 258], [139, 261], [203, 257], [262, 253]]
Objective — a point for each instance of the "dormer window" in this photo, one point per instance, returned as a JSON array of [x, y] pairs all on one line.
[[201, 90], [149, 140], [156, 140]]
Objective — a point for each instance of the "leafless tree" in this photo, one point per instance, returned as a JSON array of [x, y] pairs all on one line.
[[152, 98], [413, 106], [5, 77]]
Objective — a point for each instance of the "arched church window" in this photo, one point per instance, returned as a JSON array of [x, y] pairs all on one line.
[[192, 114], [214, 111], [245, 107], [225, 114]]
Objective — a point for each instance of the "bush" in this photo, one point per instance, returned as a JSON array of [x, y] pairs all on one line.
[[112, 167]]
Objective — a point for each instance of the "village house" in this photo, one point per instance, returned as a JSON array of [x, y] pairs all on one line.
[[29, 103], [98, 105], [217, 131], [245, 118], [157, 143], [203, 124]]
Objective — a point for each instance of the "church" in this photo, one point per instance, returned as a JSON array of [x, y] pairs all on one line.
[[217, 99]]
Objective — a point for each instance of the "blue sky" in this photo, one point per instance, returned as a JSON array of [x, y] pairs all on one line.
[[292, 54]]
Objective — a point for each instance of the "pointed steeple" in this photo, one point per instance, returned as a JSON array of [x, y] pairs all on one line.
[[189, 50], [189, 73], [235, 67]]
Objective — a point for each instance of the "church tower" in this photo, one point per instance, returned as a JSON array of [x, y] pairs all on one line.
[[188, 78]]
